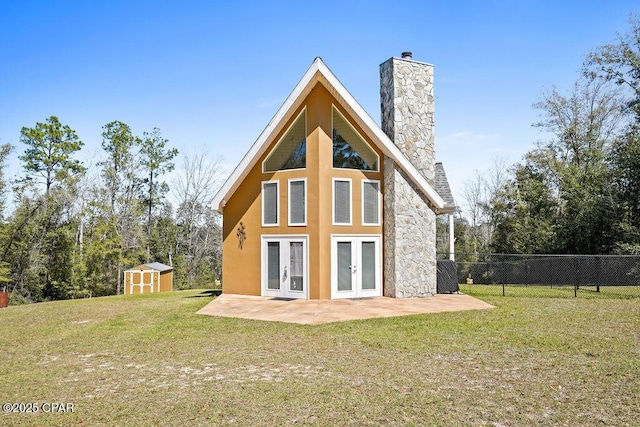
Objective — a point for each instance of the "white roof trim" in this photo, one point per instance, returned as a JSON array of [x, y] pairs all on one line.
[[313, 76]]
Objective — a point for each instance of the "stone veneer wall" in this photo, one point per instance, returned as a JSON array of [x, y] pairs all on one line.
[[406, 94], [407, 103]]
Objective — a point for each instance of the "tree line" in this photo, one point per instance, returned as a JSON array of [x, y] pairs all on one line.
[[74, 230], [577, 191]]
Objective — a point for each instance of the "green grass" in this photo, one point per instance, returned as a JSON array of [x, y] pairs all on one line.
[[563, 291], [150, 360]]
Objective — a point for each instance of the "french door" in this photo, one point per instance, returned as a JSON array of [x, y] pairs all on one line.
[[284, 266], [356, 266]]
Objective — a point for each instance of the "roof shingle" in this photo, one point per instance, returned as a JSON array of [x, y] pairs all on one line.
[[441, 185]]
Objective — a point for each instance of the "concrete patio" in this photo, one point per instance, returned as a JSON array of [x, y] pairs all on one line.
[[313, 312]]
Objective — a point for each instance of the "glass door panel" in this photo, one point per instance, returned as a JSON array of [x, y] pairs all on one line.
[[296, 266], [344, 266], [273, 265], [368, 265]]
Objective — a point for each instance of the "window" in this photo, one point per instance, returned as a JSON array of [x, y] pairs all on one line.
[[350, 150], [291, 151], [370, 202], [270, 203], [341, 201], [297, 202]]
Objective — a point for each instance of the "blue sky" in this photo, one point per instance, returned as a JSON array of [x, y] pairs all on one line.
[[211, 74]]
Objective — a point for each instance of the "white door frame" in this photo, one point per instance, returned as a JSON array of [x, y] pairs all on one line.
[[356, 241], [285, 291]]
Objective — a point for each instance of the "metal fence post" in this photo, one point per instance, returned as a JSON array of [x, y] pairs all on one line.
[[576, 273], [598, 274]]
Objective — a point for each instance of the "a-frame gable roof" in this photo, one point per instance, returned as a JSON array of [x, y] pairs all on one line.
[[319, 73]]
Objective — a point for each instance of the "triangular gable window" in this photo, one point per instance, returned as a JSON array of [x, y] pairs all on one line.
[[350, 150], [291, 151]]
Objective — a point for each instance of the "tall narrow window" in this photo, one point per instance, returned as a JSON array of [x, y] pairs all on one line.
[[370, 202], [342, 202], [270, 204], [297, 202], [350, 150], [291, 151]]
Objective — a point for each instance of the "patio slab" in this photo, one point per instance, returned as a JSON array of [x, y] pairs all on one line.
[[313, 312]]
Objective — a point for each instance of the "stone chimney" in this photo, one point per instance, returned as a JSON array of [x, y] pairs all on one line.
[[406, 97]]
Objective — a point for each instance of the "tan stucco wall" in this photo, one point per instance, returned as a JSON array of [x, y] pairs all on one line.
[[241, 267]]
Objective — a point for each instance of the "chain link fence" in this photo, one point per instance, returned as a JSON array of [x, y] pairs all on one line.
[[551, 275]]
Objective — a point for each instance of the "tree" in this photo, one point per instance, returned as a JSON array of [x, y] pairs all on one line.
[[118, 142], [50, 147], [5, 272], [473, 194], [39, 244], [573, 161], [582, 123], [156, 160], [524, 213], [560, 198], [199, 232], [577, 191], [5, 150], [478, 195], [39, 250], [75, 237], [620, 63], [119, 222], [625, 159]]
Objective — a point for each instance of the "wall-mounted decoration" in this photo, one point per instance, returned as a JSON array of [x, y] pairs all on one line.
[[242, 236]]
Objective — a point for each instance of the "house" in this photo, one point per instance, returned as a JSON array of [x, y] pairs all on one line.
[[148, 278], [327, 204]]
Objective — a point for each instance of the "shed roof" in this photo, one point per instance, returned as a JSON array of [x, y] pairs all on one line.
[[159, 266], [319, 73]]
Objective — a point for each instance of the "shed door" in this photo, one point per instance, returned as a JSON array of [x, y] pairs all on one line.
[[142, 281]]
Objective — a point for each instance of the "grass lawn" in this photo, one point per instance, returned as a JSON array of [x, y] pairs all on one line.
[[564, 291], [150, 360]]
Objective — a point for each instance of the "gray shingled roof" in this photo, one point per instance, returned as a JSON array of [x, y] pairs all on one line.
[[442, 187], [158, 266]]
